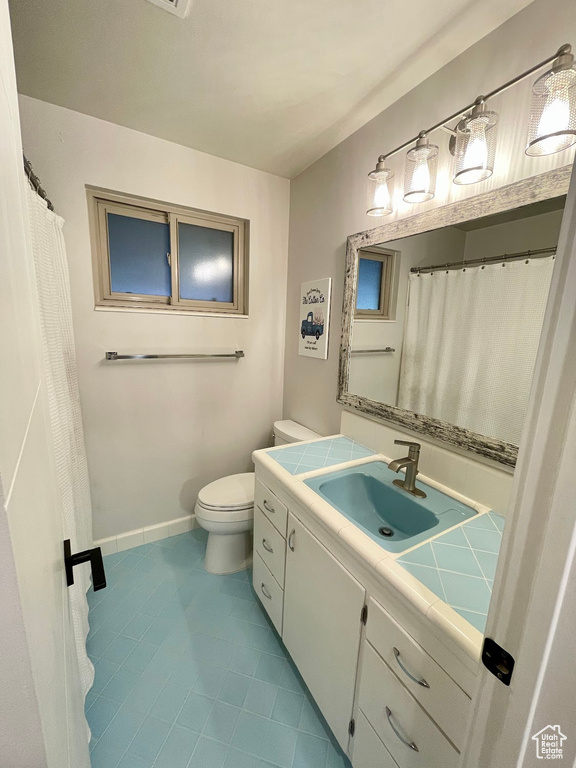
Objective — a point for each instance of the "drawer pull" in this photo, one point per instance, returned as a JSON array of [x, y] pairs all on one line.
[[267, 546], [267, 507], [421, 682], [291, 539], [265, 591], [402, 739]]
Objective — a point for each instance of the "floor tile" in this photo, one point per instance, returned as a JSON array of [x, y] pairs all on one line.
[[249, 733], [176, 749], [221, 722], [195, 711], [260, 698], [190, 674], [208, 754], [288, 707]]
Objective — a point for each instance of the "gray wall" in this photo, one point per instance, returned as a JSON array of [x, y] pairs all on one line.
[[328, 199]]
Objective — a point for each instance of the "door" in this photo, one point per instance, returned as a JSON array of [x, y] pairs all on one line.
[[532, 612], [322, 608], [41, 703]]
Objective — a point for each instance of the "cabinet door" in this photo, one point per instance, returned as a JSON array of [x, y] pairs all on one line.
[[322, 607]]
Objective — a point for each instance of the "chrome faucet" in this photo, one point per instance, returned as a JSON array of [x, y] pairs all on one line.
[[410, 463]]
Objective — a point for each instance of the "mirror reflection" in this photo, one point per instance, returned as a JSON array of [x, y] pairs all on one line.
[[447, 322]]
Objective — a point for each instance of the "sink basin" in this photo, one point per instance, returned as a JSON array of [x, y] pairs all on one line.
[[366, 495]]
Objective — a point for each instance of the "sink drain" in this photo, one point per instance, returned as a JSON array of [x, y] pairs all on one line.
[[385, 531]]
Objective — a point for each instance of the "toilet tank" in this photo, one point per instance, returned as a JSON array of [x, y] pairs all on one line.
[[291, 432]]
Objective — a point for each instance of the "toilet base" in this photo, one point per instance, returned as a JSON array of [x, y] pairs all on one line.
[[228, 553]]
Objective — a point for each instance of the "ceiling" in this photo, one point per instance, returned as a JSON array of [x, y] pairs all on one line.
[[267, 83]]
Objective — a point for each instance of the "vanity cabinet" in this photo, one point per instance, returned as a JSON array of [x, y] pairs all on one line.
[[366, 658], [322, 625]]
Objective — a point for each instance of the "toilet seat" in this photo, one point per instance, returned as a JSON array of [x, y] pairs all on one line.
[[228, 499]]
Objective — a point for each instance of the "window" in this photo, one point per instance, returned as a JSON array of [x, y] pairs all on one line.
[[153, 255], [374, 286]]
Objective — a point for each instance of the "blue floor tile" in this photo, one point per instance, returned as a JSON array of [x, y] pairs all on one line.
[[190, 672]]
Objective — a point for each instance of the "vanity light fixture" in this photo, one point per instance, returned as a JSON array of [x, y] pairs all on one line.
[[475, 145], [552, 128], [380, 189], [420, 174]]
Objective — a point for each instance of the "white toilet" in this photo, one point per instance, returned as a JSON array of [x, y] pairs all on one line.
[[225, 508]]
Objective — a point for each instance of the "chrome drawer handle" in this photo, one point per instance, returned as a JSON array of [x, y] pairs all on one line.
[[421, 682], [402, 739], [291, 539], [267, 507], [267, 546], [265, 591]]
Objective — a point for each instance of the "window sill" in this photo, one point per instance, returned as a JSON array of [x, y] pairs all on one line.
[[169, 313]]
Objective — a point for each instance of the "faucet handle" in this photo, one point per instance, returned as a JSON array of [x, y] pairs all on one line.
[[408, 443]]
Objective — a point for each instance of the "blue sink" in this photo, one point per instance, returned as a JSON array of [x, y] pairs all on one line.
[[392, 517]]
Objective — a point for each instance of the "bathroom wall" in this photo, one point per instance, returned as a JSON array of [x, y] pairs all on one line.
[[328, 199], [157, 431]]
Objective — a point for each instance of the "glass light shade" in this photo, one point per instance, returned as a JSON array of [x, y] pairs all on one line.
[[475, 146], [379, 190], [420, 174], [552, 125]]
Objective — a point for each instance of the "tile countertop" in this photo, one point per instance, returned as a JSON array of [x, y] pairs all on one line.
[[449, 577]]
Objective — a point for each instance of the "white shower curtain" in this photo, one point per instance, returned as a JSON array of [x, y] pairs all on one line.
[[60, 373], [470, 344]]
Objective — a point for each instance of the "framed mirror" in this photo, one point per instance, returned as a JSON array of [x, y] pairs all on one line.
[[443, 312]]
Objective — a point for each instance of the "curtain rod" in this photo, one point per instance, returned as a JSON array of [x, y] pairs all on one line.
[[487, 260], [35, 182]]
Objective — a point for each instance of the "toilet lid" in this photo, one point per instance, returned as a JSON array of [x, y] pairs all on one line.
[[232, 492]]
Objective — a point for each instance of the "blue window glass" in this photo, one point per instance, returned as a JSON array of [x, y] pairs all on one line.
[[369, 284], [206, 263], [138, 249]]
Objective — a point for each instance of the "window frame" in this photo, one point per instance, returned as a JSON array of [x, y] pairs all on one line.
[[384, 312], [103, 201]]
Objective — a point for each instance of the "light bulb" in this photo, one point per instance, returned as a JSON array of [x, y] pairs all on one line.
[[421, 178], [381, 195], [552, 126], [421, 168], [475, 145], [379, 198]]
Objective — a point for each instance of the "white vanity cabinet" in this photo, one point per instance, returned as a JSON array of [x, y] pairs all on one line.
[[322, 608], [369, 660]]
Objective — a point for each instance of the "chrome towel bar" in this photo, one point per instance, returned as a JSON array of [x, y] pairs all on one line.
[[371, 351], [192, 356]]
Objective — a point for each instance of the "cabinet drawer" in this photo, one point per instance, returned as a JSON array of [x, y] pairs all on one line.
[[399, 720], [369, 752], [273, 508], [269, 592], [444, 700], [270, 545]]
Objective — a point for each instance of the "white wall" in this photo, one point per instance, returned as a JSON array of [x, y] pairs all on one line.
[[328, 199], [157, 431]]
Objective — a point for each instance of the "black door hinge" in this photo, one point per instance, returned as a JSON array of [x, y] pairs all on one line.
[[497, 660], [364, 615], [352, 727]]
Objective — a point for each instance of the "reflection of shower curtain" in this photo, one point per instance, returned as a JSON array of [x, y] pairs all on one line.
[[53, 293], [470, 344]]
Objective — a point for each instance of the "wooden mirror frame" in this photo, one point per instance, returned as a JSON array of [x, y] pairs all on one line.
[[532, 190]]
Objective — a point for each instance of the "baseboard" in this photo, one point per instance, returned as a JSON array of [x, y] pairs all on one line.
[[146, 535]]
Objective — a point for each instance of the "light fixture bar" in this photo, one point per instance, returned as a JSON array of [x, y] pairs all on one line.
[[560, 52]]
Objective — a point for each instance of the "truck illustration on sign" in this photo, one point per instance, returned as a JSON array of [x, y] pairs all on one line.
[[310, 328]]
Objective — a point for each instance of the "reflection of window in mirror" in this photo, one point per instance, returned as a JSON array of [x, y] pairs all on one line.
[[374, 286]]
